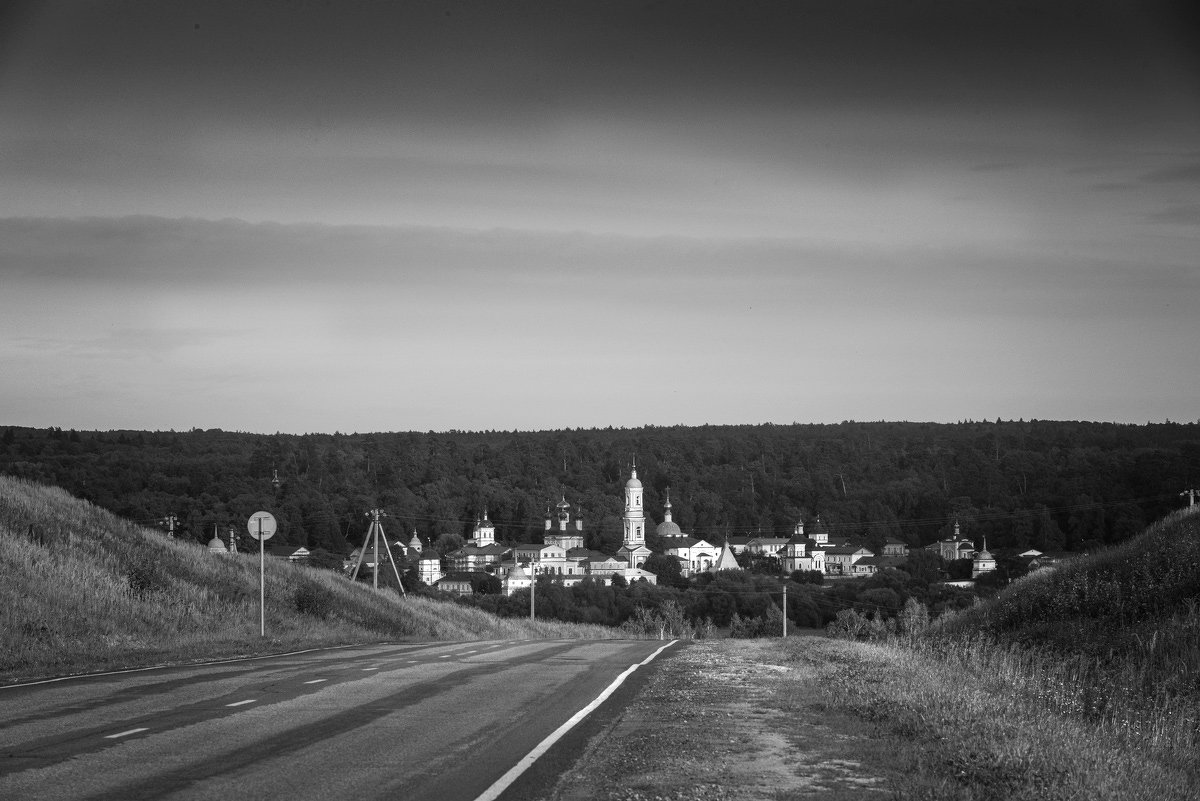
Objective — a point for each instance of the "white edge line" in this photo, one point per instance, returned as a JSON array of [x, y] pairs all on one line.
[[125, 733], [501, 784]]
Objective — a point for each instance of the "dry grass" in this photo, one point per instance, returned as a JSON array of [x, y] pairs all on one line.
[[961, 731], [85, 591], [1077, 682]]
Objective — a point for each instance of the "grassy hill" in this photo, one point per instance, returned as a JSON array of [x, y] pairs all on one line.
[[84, 590], [1113, 637]]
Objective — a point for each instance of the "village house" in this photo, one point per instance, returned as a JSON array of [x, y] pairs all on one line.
[[287, 553], [840, 559], [460, 583], [766, 546], [802, 553]]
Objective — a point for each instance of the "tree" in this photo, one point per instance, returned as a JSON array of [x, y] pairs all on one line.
[[665, 567], [923, 566]]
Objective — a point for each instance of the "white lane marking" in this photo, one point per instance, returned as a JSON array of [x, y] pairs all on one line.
[[243, 703], [412, 661], [316, 681], [165, 667], [445, 656], [365, 670], [465, 653], [501, 784], [126, 733]]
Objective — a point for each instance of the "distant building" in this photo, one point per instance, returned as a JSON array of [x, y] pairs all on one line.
[[429, 568], [983, 562], [726, 560], [802, 553], [289, 553], [954, 547], [695, 555], [633, 551]]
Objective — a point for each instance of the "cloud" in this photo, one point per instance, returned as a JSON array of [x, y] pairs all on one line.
[[1187, 214], [1177, 174]]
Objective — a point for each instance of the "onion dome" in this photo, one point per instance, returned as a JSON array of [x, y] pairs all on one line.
[[668, 528]]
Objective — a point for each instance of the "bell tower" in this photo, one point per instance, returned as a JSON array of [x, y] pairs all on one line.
[[634, 519]]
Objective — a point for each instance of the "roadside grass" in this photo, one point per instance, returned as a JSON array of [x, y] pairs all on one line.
[[964, 730], [1112, 638], [1078, 682], [83, 590]]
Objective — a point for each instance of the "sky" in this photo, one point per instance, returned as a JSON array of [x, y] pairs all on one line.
[[306, 216]]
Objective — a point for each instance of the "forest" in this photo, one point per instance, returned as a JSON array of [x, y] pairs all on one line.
[[1052, 485]]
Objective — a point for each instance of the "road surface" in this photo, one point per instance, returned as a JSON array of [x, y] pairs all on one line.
[[412, 722]]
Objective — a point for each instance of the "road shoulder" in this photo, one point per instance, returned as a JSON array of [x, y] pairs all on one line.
[[712, 724]]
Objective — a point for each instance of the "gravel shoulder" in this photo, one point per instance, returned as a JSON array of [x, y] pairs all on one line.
[[728, 720]]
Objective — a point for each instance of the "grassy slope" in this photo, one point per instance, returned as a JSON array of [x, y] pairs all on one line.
[[1123, 625], [1079, 682], [89, 591]]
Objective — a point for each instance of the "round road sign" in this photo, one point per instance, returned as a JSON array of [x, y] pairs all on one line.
[[261, 523]]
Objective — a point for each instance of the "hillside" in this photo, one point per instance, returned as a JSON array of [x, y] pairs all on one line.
[[84, 590], [1113, 637], [1106, 604]]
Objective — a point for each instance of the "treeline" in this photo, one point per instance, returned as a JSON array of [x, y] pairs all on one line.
[[1044, 484]]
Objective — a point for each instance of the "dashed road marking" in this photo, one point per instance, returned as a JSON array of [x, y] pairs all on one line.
[[243, 703], [316, 681], [126, 733]]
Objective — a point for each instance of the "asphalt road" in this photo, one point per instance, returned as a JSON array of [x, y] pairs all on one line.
[[416, 721]]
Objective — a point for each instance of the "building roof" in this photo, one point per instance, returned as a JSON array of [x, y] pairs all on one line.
[[685, 542], [843, 550], [668, 528], [725, 561], [517, 573]]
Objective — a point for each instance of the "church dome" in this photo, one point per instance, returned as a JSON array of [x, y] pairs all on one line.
[[215, 544], [633, 482], [668, 528]]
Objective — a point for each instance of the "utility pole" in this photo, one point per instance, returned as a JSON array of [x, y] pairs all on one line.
[[1191, 496], [373, 534], [170, 521], [785, 610], [532, 584]]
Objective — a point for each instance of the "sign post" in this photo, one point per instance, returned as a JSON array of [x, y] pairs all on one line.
[[261, 526]]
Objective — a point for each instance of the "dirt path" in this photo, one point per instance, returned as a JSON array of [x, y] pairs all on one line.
[[723, 719]]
